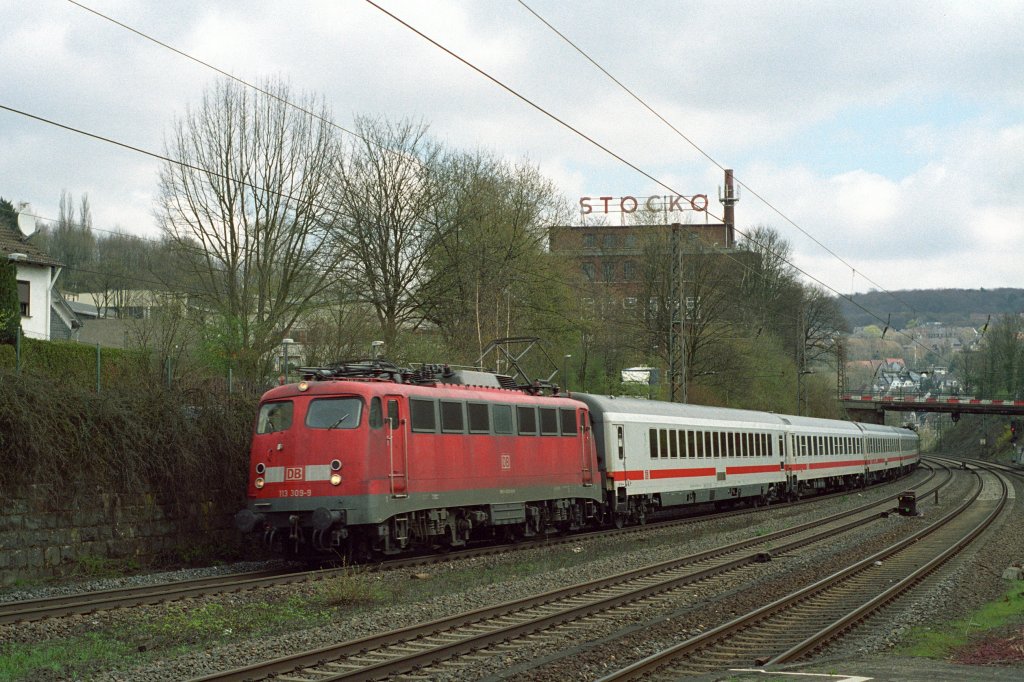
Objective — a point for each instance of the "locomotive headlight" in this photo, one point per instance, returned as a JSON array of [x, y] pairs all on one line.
[[260, 468], [258, 483], [335, 465], [303, 385], [335, 479]]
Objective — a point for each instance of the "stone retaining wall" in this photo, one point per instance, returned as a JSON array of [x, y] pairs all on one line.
[[41, 538]]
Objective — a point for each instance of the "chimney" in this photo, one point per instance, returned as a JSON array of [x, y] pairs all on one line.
[[729, 199]]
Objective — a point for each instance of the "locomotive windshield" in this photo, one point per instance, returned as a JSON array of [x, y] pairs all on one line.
[[334, 413], [274, 417]]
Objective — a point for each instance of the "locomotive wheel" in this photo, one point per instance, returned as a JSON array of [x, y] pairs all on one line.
[[357, 551], [620, 520]]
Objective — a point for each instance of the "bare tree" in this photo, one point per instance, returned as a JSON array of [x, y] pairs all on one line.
[[771, 277], [247, 200], [384, 194], [488, 263]]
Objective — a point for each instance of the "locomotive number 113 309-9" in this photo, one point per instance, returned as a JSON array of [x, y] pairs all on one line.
[[296, 493]]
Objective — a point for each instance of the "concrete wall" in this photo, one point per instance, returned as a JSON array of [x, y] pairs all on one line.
[[42, 539]]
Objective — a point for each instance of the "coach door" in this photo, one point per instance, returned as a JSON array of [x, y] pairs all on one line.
[[620, 453], [397, 446]]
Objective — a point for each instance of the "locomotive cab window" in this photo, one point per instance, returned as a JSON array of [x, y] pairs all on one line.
[[275, 417], [376, 414], [392, 414], [334, 413], [501, 417], [423, 418]]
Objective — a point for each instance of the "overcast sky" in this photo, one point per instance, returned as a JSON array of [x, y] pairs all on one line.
[[884, 140]]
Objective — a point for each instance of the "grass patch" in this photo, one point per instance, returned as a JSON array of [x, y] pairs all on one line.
[[185, 625], [63, 658], [181, 628], [941, 641], [95, 567], [352, 590]]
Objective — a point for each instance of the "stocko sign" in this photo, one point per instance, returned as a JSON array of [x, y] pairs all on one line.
[[628, 204]]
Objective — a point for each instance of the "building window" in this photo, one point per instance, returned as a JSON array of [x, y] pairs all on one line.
[[589, 241], [629, 302], [630, 241], [609, 241], [588, 271], [629, 271], [23, 298], [608, 271]]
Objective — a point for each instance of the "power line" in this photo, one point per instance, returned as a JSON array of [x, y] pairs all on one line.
[[510, 90], [589, 139], [451, 53], [701, 151]]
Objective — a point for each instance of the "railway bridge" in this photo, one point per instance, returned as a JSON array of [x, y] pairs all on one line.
[[872, 408]]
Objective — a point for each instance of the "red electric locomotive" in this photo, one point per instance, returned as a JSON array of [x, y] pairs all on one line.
[[367, 458]]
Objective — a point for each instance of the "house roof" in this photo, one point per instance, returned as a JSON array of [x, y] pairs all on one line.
[[13, 241]]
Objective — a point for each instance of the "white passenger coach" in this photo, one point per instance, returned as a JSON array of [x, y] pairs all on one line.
[[658, 455]]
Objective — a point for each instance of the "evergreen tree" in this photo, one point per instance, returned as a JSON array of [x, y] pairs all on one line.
[[10, 307]]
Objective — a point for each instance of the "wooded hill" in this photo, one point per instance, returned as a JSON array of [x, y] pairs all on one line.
[[954, 307]]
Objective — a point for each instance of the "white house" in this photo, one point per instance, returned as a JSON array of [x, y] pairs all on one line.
[[36, 274]]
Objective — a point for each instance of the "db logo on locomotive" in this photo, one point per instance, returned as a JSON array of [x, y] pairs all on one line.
[[293, 474]]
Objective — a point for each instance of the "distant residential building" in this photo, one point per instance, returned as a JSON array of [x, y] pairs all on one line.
[[37, 274]]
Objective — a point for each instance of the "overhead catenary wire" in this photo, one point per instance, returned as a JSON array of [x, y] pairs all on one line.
[[702, 152], [515, 93], [227, 74], [573, 129]]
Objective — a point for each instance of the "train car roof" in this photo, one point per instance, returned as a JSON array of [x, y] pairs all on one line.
[[601, 405]]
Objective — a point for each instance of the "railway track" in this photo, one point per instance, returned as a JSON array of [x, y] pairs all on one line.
[[91, 602], [440, 647], [801, 623]]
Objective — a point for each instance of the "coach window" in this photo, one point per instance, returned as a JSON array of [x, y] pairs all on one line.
[[709, 449], [423, 418], [376, 414], [479, 418], [501, 417], [664, 442], [548, 421], [568, 416], [673, 439], [452, 420], [691, 448], [652, 436], [527, 417], [275, 417]]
